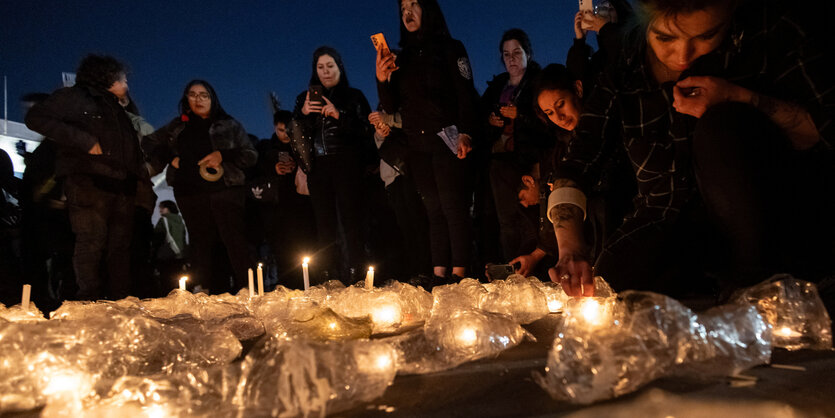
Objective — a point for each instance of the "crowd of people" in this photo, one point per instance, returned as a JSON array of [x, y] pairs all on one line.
[[692, 153]]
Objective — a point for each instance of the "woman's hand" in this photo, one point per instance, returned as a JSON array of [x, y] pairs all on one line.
[[309, 107], [528, 262], [286, 167], [464, 146], [694, 95], [385, 66], [329, 109], [496, 121], [579, 32], [376, 118], [175, 162], [593, 22], [382, 130], [509, 111], [212, 160], [573, 273]]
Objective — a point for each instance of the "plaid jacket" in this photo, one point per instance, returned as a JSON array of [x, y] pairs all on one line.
[[765, 51]]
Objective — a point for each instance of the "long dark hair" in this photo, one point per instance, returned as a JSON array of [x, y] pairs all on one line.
[[327, 50], [552, 77], [216, 111], [432, 24], [649, 10]]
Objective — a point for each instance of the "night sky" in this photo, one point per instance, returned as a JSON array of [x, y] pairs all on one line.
[[245, 48]]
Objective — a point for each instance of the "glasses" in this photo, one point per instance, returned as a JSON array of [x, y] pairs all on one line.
[[201, 96]]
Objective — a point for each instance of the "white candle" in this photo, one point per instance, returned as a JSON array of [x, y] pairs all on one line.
[[183, 282], [260, 280], [251, 283], [306, 272], [27, 292], [369, 279]]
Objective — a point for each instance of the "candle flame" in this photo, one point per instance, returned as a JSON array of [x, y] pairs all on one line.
[[371, 269], [306, 260], [467, 336], [554, 305], [592, 311], [786, 332]]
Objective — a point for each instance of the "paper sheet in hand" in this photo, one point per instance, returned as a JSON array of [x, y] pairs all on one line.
[[450, 137]]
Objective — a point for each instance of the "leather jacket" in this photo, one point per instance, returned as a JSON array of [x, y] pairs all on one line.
[[329, 136]]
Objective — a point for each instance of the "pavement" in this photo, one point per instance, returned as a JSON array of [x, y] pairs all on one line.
[[799, 383]]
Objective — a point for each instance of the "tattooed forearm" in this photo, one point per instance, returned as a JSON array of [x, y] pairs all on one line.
[[565, 214], [795, 121]]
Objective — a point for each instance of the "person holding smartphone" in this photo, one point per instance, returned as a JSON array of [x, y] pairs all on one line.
[[517, 139], [430, 83], [333, 117], [610, 19]]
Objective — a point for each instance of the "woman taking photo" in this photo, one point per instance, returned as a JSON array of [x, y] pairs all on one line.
[[206, 151], [337, 128], [430, 83]]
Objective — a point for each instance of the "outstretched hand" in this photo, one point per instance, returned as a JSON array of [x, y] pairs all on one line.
[[573, 273]]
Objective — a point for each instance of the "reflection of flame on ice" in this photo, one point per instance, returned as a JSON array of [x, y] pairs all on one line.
[[786, 332], [554, 305], [467, 336], [378, 359], [156, 411], [332, 325], [386, 315], [593, 312], [65, 382]]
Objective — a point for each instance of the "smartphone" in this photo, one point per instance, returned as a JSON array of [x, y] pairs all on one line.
[[586, 6], [316, 94], [380, 43], [499, 271], [283, 157]]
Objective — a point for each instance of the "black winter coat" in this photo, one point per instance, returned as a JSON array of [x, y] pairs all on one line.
[[531, 136], [226, 134], [78, 117], [329, 136], [432, 89]]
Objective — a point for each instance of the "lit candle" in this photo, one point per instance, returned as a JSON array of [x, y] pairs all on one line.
[[251, 283], [369, 279], [386, 315], [183, 282], [260, 280], [24, 301], [306, 272]]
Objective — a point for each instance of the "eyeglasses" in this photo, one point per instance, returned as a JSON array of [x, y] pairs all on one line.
[[195, 96]]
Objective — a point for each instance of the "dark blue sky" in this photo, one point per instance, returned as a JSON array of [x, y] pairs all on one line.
[[245, 48]]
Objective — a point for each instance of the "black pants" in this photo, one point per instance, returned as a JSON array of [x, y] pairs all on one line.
[[413, 225], [103, 225], [291, 234], [443, 183], [516, 230], [336, 193], [213, 218]]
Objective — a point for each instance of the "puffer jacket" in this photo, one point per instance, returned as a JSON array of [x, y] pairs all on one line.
[[78, 117], [350, 133], [226, 134]]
